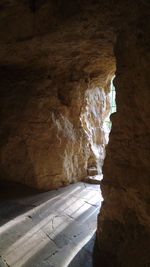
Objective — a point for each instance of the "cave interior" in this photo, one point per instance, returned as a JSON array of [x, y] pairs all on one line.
[[75, 133]]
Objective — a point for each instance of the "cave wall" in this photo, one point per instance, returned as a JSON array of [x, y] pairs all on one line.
[[95, 110], [51, 52], [42, 145], [124, 221], [43, 141]]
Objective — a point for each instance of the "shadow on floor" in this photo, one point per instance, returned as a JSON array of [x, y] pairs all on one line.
[[9, 190], [102, 259], [9, 205], [50, 229], [84, 256]]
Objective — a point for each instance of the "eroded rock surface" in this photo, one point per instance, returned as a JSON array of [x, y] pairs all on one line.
[[48, 61], [51, 54], [124, 222]]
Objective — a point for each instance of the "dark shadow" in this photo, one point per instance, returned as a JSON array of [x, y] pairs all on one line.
[[101, 258], [9, 206], [84, 256], [12, 190], [18, 86]]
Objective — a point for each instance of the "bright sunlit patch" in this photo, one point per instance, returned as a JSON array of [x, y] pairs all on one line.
[[21, 218], [92, 117], [24, 251], [107, 122], [95, 120], [58, 228], [73, 252], [35, 239]]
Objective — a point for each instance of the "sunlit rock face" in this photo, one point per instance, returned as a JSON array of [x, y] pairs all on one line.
[[43, 143], [124, 222], [50, 51], [94, 112]]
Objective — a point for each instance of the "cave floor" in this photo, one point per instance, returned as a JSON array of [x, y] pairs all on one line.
[[50, 229]]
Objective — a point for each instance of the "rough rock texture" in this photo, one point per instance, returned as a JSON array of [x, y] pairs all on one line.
[[94, 111], [51, 52], [124, 221]]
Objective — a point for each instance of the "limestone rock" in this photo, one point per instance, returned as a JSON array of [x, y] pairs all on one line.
[[124, 221], [55, 57], [50, 54]]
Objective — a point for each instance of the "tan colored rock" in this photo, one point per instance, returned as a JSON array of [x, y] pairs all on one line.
[[51, 54], [49, 57], [124, 221]]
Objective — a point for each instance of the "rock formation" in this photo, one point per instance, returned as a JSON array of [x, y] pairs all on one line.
[[124, 221], [48, 62], [56, 59]]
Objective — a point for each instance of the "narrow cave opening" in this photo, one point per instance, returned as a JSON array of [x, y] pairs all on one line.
[[95, 119], [113, 108]]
